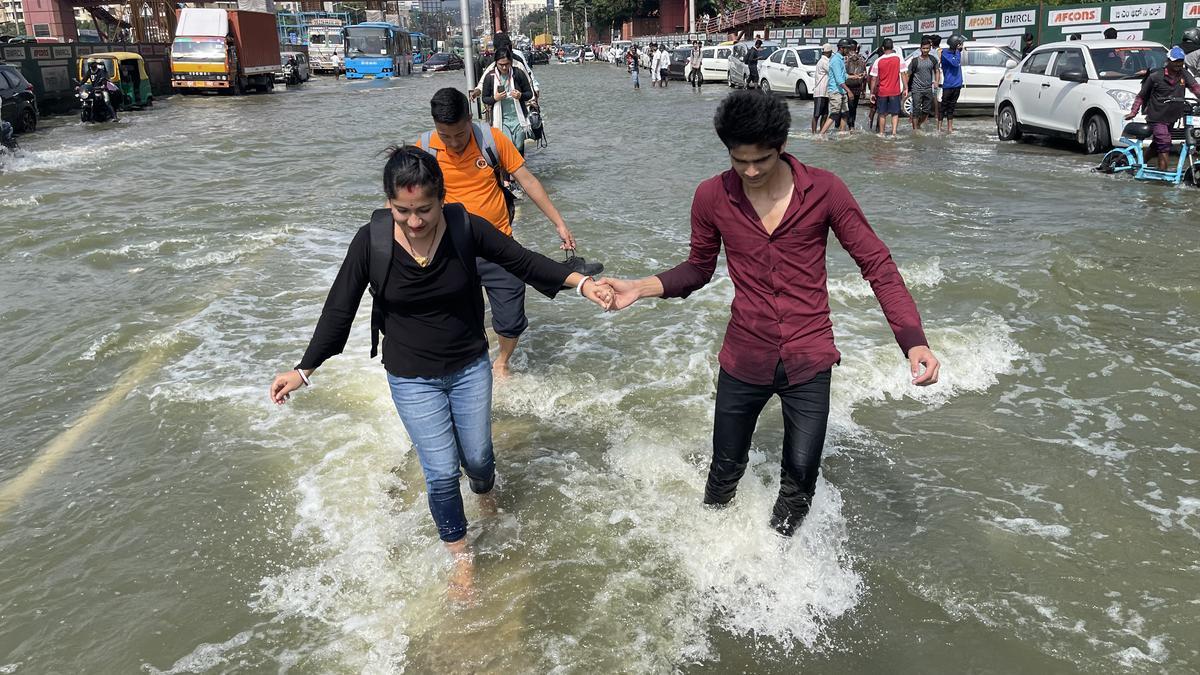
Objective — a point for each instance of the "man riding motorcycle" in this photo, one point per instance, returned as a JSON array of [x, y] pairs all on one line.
[[97, 79]]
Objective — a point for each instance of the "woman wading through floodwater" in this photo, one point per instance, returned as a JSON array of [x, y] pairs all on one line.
[[418, 257]]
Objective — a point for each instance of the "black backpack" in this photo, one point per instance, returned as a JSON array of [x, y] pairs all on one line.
[[379, 264]]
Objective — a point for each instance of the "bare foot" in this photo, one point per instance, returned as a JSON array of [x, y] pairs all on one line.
[[500, 369], [462, 574], [487, 504]]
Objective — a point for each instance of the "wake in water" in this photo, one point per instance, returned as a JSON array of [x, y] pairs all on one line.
[[591, 542]]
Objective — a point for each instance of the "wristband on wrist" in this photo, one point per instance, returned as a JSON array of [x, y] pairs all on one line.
[[304, 378], [583, 281]]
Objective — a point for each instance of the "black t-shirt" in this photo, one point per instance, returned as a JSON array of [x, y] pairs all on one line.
[[433, 316], [1158, 88], [752, 57]]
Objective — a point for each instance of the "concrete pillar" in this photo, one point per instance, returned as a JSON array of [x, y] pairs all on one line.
[[58, 18]]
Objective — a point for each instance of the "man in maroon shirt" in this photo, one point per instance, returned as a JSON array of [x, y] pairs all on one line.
[[773, 215]]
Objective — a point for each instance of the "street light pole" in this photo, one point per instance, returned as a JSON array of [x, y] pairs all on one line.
[[464, 9]]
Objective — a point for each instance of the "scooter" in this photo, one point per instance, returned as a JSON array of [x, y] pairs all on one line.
[[1131, 158]]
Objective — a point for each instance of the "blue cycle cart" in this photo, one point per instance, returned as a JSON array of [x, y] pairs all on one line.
[[1130, 158]]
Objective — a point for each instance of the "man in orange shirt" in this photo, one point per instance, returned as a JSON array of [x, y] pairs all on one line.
[[471, 180]]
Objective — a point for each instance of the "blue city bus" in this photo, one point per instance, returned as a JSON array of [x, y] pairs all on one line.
[[377, 50], [420, 47]]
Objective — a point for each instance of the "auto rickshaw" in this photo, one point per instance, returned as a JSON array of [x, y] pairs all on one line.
[[126, 70]]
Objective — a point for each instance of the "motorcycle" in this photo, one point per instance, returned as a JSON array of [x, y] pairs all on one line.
[[92, 103]]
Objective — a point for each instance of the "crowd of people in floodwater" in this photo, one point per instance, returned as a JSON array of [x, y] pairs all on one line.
[[846, 77]]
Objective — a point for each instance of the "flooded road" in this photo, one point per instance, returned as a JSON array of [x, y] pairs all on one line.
[[1036, 511]]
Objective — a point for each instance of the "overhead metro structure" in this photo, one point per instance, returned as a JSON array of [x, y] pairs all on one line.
[[761, 14]]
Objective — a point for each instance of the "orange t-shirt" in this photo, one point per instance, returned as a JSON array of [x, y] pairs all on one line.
[[471, 181]]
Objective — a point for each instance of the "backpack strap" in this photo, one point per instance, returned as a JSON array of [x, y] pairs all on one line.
[[425, 140], [487, 145], [458, 226], [379, 265]]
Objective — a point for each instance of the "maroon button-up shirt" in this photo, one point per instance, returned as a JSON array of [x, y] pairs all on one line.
[[780, 305]]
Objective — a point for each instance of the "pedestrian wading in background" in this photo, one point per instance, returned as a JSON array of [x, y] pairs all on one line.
[[631, 62], [773, 215], [838, 90], [888, 86], [820, 92], [856, 79], [695, 73], [507, 91], [923, 73], [475, 160], [418, 257], [951, 79]]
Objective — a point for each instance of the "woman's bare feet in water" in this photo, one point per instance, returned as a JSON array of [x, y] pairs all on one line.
[[462, 572], [487, 504]]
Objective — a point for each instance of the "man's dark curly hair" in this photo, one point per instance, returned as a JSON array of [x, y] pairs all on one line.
[[751, 117]]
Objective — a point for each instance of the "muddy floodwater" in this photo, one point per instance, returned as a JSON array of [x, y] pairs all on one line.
[[1036, 511]]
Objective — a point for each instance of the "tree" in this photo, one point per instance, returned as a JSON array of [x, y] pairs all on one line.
[[534, 22], [833, 11]]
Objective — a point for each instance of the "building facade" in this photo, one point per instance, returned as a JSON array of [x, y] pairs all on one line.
[[13, 11]]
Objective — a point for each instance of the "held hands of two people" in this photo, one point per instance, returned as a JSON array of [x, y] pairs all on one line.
[[601, 294], [624, 292]]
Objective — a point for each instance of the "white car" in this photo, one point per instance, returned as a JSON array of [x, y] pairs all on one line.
[[1080, 89], [983, 67], [714, 63], [791, 71]]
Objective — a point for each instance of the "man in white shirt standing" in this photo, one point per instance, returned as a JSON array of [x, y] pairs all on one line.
[[337, 65], [653, 65], [664, 65], [820, 91]]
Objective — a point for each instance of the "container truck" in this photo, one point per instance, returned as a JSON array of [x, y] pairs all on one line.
[[224, 50]]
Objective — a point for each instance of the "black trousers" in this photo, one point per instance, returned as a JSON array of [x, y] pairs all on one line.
[[851, 110], [805, 415]]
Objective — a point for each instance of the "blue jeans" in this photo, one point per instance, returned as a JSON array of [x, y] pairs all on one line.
[[449, 419]]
